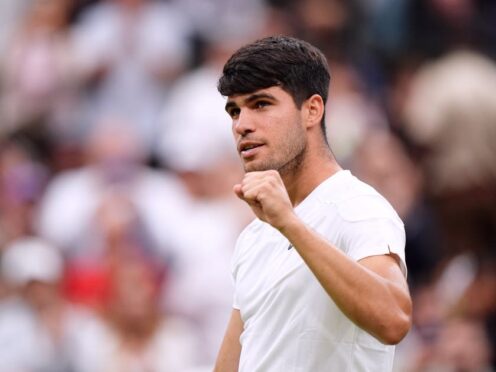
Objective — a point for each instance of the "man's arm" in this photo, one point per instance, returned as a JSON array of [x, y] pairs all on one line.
[[230, 350], [372, 293]]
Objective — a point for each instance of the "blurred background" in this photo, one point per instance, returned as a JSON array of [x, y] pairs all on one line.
[[117, 218]]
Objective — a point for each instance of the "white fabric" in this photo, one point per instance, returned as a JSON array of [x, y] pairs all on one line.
[[28, 345], [133, 47], [172, 348], [200, 288], [31, 258], [69, 205], [224, 21], [88, 345], [11, 11], [196, 131], [290, 323]]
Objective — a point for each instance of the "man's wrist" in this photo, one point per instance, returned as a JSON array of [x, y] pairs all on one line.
[[289, 225]]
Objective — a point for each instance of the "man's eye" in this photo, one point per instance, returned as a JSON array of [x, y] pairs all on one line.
[[261, 104], [234, 112]]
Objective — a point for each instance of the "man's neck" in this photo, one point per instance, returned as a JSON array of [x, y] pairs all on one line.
[[310, 173]]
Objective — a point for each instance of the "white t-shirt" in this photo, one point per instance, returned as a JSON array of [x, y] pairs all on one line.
[[290, 322]]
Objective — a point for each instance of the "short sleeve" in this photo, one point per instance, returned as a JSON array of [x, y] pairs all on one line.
[[371, 227]]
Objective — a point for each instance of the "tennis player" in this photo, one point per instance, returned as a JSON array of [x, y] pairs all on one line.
[[320, 274]]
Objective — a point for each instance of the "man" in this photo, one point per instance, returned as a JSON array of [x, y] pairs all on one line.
[[320, 275]]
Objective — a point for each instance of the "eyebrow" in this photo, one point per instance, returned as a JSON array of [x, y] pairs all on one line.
[[251, 98]]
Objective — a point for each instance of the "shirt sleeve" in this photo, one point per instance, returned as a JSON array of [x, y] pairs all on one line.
[[371, 227]]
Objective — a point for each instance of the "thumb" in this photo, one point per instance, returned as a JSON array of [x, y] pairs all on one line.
[[238, 191]]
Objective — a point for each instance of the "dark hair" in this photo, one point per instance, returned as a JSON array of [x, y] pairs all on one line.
[[296, 66]]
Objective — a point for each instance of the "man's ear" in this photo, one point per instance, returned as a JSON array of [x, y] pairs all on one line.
[[313, 110]]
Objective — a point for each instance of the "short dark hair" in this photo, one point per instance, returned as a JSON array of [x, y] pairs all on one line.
[[295, 65]]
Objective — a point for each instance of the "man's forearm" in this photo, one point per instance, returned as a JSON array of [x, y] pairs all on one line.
[[373, 295]]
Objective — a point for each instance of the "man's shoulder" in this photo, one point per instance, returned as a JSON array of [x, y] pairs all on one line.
[[356, 200]]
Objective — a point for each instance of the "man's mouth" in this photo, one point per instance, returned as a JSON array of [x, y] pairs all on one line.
[[248, 149]]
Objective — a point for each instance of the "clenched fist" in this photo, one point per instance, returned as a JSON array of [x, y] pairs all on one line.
[[266, 194]]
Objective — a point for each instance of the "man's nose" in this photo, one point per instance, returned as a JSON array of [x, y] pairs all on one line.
[[244, 123]]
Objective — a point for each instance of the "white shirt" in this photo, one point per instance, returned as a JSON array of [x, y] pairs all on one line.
[[290, 322]]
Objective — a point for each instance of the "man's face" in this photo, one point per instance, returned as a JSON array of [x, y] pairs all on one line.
[[268, 130]]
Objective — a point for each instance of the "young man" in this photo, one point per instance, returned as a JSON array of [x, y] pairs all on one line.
[[320, 275]]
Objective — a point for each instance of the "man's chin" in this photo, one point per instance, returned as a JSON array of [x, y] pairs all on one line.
[[257, 167], [250, 168]]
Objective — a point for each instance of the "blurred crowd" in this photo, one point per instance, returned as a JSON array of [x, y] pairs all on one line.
[[117, 217]]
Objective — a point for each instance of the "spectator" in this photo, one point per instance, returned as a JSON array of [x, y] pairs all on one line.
[[197, 144], [39, 330], [114, 162], [214, 19], [128, 52], [140, 337], [351, 112], [451, 114], [37, 67], [22, 180]]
